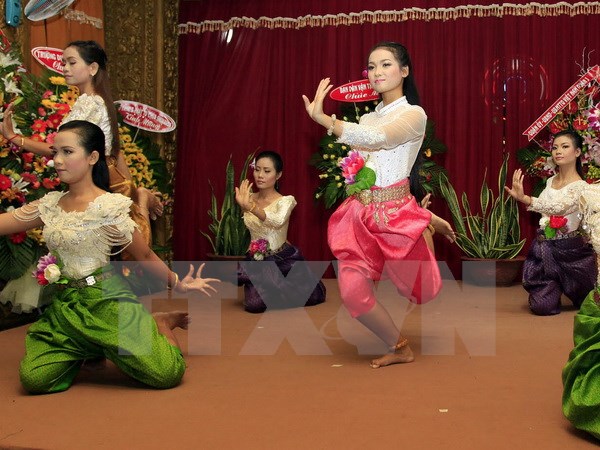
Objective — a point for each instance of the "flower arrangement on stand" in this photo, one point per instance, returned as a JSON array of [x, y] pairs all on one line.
[[332, 186], [581, 115]]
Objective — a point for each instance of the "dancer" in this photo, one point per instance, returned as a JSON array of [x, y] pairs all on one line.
[[84, 66], [267, 216], [560, 260], [94, 314], [581, 374], [382, 231]]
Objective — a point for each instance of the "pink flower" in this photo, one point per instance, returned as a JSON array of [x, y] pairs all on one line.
[[593, 117], [258, 248], [351, 165]]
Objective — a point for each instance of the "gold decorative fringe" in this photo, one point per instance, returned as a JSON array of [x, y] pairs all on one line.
[[454, 13]]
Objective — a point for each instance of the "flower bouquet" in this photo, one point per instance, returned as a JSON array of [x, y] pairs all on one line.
[[259, 249], [357, 174], [553, 225], [48, 271]]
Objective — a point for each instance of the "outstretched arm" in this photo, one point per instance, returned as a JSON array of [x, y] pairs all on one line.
[[143, 254], [9, 224]]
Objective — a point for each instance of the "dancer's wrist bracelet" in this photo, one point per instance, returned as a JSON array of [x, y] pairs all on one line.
[[170, 285], [330, 129]]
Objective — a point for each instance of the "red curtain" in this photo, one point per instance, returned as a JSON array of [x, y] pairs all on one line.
[[481, 80]]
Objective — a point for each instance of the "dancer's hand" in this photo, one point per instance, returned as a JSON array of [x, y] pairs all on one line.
[[315, 108], [8, 130], [243, 195], [516, 191], [197, 283], [426, 201]]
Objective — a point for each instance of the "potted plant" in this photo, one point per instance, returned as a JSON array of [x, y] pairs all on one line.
[[228, 234], [493, 235]]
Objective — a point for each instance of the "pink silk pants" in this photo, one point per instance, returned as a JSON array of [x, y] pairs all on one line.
[[378, 241]]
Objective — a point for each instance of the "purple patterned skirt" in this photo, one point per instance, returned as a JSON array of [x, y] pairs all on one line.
[[268, 284], [558, 266]]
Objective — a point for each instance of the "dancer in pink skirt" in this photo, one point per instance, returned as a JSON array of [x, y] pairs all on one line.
[[382, 231]]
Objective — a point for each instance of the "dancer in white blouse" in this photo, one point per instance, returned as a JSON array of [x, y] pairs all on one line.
[[560, 260], [267, 216], [94, 314], [382, 231]]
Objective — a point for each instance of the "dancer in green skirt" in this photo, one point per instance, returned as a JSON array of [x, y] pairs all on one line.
[[581, 374], [94, 314]]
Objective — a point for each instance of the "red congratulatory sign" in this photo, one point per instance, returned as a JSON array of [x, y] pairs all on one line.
[[357, 91], [49, 57], [145, 117]]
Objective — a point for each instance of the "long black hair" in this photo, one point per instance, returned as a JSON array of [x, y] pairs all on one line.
[[92, 52], [409, 88], [577, 142], [91, 137]]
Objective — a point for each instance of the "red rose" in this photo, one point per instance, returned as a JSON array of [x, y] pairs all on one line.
[[17, 238], [41, 279], [557, 222], [5, 183]]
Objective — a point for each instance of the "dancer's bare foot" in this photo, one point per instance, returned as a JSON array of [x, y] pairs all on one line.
[[401, 355], [442, 227], [172, 320]]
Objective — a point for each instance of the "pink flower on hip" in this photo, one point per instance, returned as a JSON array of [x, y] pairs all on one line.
[[351, 165]]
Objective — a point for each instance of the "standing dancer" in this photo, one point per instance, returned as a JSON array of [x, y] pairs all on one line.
[[382, 230]]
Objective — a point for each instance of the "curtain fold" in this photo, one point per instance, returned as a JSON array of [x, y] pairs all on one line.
[[481, 80]]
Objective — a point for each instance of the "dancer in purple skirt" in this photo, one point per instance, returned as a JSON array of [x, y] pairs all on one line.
[[560, 261], [267, 216]]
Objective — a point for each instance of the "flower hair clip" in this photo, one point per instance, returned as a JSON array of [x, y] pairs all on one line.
[[252, 164]]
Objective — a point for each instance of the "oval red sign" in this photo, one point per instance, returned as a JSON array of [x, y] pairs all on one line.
[[357, 91], [49, 57], [145, 117]]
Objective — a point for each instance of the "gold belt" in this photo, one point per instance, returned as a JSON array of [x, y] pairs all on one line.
[[368, 196]]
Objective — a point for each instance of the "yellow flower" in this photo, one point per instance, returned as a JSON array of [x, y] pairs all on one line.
[[339, 185], [337, 178], [36, 235], [325, 156], [58, 81], [330, 145], [4, 151], [428, 153], [47, 103], [68, 97]]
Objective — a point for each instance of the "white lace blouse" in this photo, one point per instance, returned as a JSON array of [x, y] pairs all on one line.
[[92, 108], [559, 202], [275, 226], [83, 240], [390, 137]]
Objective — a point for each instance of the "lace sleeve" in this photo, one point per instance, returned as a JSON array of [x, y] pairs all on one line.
[[118, 227], [28, 212], [409, 125], [278, 216], [567, 203]]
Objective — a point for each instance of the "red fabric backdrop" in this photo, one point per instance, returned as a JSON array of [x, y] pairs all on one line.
[[245, 95]]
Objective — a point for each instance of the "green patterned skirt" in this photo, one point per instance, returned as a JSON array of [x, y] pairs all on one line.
[[103, 320], [581, 375]]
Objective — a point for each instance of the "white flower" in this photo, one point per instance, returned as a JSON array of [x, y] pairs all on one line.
[[9, 208], [50, 163], [52, 273], [10, 85], [545, 220], [259, 256], [7, 60]]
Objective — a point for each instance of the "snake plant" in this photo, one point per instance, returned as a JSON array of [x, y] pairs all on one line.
[[494, 233], [228, 234]]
